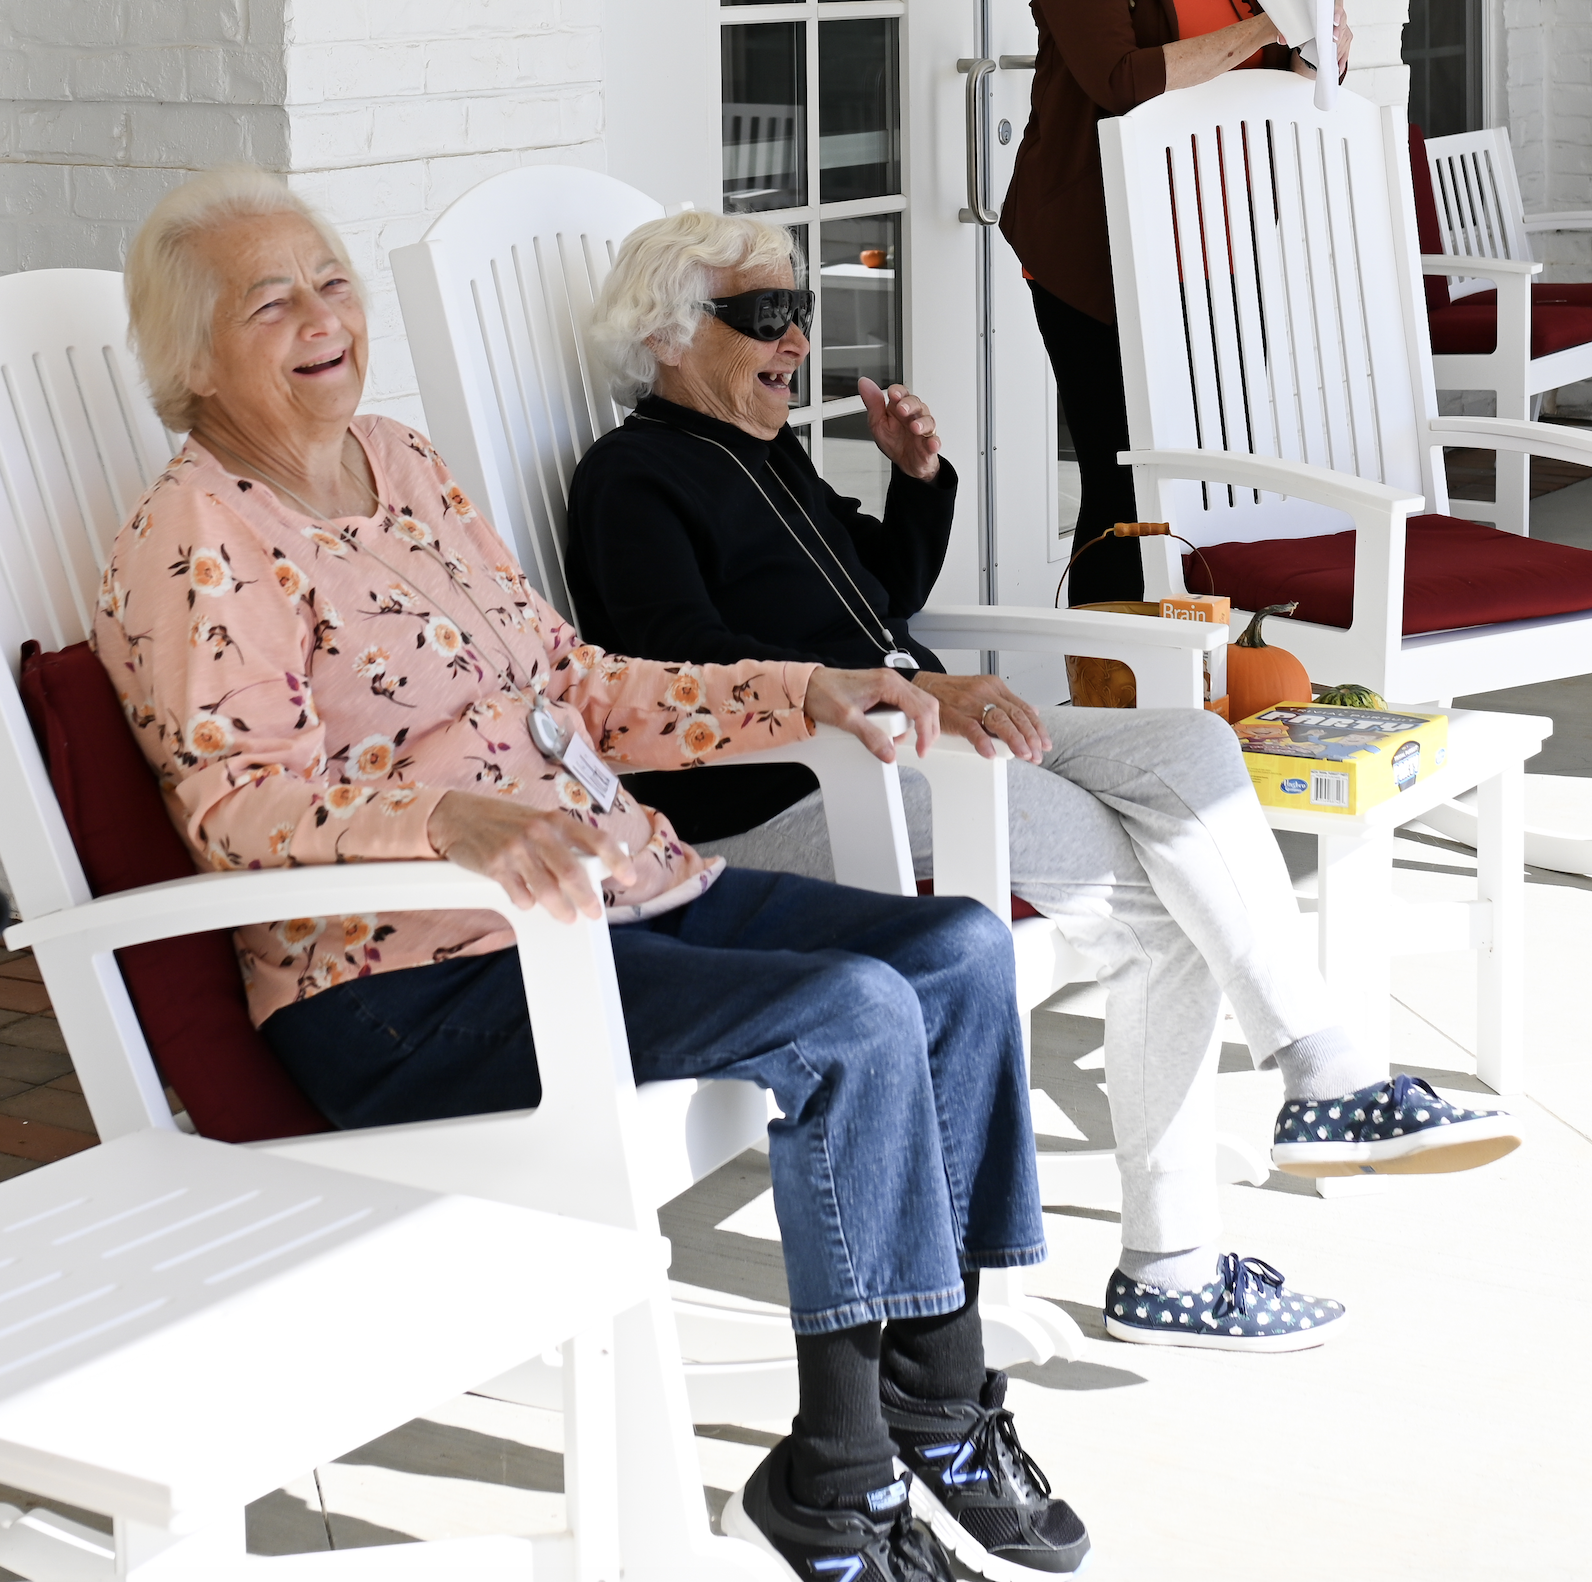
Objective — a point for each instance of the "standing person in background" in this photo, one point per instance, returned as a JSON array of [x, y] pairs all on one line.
[[1099, 58]]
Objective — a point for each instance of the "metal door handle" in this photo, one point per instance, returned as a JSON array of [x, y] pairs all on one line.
[[1018, 62], [975, 213]]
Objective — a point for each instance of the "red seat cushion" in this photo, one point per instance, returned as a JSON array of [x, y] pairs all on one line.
[[188, 992], [1544, 294], [1471, 326], [1456, 574]]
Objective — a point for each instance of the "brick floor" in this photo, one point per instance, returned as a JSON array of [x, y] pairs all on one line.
[[43, 1116]]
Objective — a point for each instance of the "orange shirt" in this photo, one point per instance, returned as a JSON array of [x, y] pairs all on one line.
[[1195, 17]]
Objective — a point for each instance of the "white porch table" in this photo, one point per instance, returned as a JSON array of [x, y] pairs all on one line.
[[1361, 925], [185, 1326]]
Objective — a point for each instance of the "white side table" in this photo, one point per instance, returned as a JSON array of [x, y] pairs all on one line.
[[1362, 927], [185, 1326]]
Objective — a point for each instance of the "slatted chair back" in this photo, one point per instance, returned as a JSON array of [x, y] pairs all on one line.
[[1257, 250], [496, 298], [1479, 209], [79, 443]]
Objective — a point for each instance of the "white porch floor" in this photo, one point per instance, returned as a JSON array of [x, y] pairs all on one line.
[[1442, 1437]]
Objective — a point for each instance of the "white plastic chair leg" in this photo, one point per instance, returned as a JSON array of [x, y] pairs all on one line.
[[1021, 1328]]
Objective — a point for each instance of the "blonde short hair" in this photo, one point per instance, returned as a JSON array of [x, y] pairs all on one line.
[[171, 294], [664, 269]]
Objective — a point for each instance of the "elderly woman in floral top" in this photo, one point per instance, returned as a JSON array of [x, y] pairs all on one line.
[[327, 655]]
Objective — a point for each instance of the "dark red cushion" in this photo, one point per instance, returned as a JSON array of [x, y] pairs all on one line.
[[1020, 908], [188, 992], [1545, 293], [1428, 232], [1455, 574], [1471, 326]]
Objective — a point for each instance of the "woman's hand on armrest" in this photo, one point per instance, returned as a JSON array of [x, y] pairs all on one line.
[[843, 698], [984, 709], [534, 855]]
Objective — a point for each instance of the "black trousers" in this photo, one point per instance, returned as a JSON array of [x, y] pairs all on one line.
[[1087, 358]]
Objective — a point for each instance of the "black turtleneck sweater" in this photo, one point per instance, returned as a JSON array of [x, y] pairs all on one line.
[[674, 554]]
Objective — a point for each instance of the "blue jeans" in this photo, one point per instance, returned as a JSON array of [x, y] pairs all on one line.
[[886, 1028]]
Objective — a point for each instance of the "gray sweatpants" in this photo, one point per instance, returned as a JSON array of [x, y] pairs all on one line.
[[1142, 837]]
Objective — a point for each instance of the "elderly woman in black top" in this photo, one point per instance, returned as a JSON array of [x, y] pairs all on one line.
[[700, 530]]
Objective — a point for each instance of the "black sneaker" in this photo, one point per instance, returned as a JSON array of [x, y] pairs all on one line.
[[981, 1493], [877, 1541]]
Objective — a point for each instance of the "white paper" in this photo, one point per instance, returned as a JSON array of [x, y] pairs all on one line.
[[592, 772], [1303, 24]]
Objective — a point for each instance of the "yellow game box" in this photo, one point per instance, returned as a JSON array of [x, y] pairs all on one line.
[[1329, 758]]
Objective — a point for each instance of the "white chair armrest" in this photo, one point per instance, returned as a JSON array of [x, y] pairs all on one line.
[[1164, 656], [1056, 631], [1560, 220], [234, 900], [862, 801], [1555, 440], [1304, 480], [1477, 266]]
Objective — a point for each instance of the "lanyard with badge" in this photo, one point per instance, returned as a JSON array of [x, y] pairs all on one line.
[[556, 742]]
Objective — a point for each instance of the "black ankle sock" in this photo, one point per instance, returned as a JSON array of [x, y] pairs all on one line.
[[940, 1358], [839, 1444]]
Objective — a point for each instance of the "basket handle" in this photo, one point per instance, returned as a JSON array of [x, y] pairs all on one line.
[[1134, 530]]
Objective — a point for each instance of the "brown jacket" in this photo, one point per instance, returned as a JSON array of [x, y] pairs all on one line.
[[1096, 58]]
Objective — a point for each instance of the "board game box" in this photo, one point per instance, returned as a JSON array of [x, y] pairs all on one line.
[[1330, 758]]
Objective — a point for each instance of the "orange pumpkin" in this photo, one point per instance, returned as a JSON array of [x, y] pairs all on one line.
[[1260, 676]]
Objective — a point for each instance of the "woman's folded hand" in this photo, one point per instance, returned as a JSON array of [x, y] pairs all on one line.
[[985, 710], [843, 698], [534, 855]]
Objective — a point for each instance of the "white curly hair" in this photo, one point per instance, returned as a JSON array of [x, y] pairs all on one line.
[[664, 269], [171, 294]]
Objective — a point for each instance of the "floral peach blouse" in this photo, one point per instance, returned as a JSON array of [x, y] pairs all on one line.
[[309, 690]]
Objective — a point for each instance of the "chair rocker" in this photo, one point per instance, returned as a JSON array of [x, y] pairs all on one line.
[[1281, 399]]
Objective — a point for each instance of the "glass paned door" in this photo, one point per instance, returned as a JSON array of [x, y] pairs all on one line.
[[815, 86]]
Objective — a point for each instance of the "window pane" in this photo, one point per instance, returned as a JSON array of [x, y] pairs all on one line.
[[764, 71], [859, 109], [1443, 49], [801, 387], [853, 464], [861, 302]]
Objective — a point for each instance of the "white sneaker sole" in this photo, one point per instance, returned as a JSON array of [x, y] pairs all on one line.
[[957, 1540], [1207, 1340], [1435, 1150], [737, 1524]]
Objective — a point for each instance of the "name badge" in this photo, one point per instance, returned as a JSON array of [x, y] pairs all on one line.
[[599, 780]]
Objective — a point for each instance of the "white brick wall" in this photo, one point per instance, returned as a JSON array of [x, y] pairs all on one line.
[[1376, 65], [381, 112]]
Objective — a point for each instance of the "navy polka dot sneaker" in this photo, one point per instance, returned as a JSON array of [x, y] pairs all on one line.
[[1390, 1128], [1245, 1307]]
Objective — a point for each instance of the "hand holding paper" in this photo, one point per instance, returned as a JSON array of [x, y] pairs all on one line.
[[1303, 25]]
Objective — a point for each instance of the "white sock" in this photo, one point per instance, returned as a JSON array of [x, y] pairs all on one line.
[[1171, 1271]]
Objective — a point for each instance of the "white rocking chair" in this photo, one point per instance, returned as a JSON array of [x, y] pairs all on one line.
[[497, 297], [1279, 374], [1477, 236]]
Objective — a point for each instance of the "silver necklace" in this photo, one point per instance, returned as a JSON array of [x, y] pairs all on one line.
[[894, 658], [552, 739]]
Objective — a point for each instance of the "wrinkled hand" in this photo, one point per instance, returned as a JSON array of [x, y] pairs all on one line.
[[843, 697], [1009, 719], [534, 855], [903, 428]]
